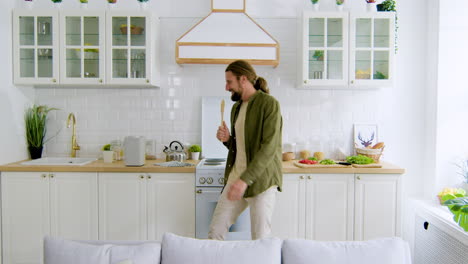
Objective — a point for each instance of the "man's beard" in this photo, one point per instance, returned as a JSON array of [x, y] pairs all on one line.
[[235, 96]]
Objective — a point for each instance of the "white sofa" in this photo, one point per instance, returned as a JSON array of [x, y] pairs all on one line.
[[180, 250]]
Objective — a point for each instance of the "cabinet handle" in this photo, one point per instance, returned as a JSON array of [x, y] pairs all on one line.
[[352, 81], [100, 80], [149, 177], [358, 177], [54, 80], [147, 81], [142, 176], [301, 177], [309, 177], [199, 191], [51, 175], [43, 175], [305, 81]]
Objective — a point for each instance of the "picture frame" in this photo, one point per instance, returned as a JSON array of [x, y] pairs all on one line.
[[365, 135]]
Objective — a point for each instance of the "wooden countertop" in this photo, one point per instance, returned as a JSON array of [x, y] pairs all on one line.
[[118, 166], [100, 166], [387, 168]]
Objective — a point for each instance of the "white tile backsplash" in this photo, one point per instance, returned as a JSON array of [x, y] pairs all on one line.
[[172, 112]]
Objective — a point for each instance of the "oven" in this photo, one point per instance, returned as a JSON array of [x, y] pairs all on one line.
[[209, 184]]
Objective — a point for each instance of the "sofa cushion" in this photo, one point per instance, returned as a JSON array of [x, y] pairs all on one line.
[[113, 252], [181, 250], [60, 251], [148, 253], [382, 251]]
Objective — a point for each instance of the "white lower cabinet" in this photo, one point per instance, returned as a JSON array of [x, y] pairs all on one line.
[[140, 206], [37, 204], [377, 206], [315, 206], [338, 206]]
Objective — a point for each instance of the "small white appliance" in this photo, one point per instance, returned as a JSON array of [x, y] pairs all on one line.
[[209, 179], [134, 151]]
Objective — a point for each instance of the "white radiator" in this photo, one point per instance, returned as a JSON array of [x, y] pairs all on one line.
[[438, 239]]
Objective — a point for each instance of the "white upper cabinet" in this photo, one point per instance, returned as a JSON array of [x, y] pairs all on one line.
[[324, 57], [82, 47], [35, 47], [372, 49], [342, 51], [130, 48], [91, 47]]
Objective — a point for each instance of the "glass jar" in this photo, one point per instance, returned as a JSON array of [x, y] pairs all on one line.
[[116, 146], [150, 149]]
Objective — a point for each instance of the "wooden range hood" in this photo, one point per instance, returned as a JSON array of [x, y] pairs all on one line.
[[225, 35]]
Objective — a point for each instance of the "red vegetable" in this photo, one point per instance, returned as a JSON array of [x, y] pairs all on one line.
[[307, 161]]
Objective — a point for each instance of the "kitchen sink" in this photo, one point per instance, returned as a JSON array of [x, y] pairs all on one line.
[[59, 161]]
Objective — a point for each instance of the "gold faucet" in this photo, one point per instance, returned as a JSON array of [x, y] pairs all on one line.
[[74, 145]]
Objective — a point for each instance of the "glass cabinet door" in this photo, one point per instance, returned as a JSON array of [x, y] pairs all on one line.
[[83, 53], [373, 48], [129, 49], [326, 49], [35, 48]]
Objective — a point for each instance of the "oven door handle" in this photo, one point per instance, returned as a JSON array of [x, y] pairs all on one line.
[[200, 191]]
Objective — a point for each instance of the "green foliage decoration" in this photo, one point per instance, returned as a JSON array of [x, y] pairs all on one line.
[[459, 208], [390, 6], [106, 147], [35, 119], [195, 148]]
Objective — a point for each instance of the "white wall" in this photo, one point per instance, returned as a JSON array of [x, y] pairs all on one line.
[[452, 103], [13, 100], [173, 111]]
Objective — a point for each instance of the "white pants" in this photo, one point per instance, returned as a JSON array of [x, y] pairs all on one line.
[[227, 211]]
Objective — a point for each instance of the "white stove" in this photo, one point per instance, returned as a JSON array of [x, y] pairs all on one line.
[[210, 173]]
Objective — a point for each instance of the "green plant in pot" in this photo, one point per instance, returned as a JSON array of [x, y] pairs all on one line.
[[318, 55], [459, 209], [35, 119], [107, 153], [195, 151]]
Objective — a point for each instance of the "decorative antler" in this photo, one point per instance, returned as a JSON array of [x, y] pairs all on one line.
[[366, 143]]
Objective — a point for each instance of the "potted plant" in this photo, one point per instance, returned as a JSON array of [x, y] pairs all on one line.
[[315, 4], [195, 152], [387, 5], [318, 55], [339, 4], [107, 153], [35, 119], [370, 5]]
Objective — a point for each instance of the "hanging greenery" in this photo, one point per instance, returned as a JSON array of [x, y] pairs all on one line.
[[390, 6]]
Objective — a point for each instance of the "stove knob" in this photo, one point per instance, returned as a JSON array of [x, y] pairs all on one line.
[[202, 180], [221, 180], [209, 180]]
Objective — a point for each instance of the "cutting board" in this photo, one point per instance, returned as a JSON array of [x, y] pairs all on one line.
[[301, 165], [372, 165]]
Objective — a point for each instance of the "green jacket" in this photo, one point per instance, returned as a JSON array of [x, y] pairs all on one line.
[[263, 125]]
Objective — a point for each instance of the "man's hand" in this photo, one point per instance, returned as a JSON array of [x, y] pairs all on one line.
[[237, 190], [223, 133]]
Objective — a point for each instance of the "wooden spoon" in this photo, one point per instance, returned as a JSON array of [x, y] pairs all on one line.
[[222, 111]]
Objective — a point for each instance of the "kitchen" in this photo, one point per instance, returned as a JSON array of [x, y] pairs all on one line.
[[405, 114]]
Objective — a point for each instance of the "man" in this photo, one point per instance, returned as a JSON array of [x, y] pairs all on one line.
[[253, 169]]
